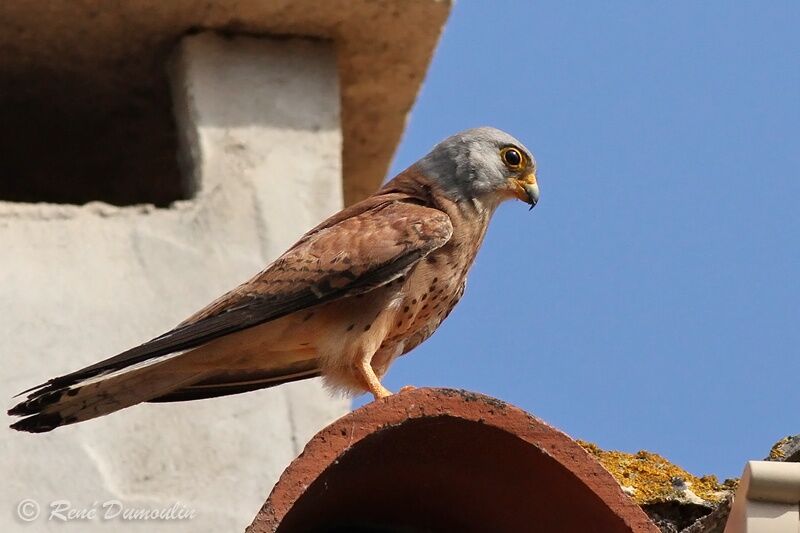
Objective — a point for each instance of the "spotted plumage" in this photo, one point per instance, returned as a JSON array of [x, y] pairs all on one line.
[[364, 287]]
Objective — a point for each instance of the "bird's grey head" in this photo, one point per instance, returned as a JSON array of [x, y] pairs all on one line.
[[483, 164]]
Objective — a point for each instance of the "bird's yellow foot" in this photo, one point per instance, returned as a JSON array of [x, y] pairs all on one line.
[[371, 380], [380, 392], [407, 388]]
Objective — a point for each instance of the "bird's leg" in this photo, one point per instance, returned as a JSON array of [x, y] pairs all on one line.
[[370, 379]]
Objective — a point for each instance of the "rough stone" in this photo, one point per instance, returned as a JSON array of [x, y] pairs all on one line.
[[672, 497], [676, 500], [787, 450]]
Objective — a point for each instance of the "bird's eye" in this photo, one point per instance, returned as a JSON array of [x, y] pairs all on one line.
[[512, 158]]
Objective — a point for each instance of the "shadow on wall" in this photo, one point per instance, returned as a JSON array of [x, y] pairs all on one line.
[[71, 137], [109, 134]]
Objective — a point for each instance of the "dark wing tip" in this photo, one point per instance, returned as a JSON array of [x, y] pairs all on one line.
[[40, 423], [36, 402], [26, 391], [18, 410]]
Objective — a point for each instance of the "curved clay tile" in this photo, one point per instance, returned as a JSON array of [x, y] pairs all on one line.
[[446, 460]]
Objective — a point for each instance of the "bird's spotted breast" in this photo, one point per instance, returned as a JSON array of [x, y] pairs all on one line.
[[431, 291]]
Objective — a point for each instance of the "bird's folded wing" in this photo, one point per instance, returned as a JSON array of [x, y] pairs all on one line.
[[350, 256]]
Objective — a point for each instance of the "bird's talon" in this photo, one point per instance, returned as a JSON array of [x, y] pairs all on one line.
[[381, 393]]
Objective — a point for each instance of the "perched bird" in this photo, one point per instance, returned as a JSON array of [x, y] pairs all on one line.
[[364, 287]]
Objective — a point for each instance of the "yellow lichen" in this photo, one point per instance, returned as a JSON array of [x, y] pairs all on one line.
[[777, 453], [649, 478]]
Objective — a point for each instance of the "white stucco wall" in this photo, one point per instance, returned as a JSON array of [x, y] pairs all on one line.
[[80, 283]]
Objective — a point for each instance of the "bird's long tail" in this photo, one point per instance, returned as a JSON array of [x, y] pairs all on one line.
[[48, 408], [181, 376]]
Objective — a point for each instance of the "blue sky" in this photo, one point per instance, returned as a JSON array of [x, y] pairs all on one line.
[[651, 300]]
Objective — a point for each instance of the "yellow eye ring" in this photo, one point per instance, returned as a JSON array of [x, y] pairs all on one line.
[[512, 157]]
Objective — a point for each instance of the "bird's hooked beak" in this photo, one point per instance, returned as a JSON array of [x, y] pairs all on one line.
[[526, 189]]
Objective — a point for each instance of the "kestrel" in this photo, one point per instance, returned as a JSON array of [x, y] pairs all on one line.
[[364, 287]]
